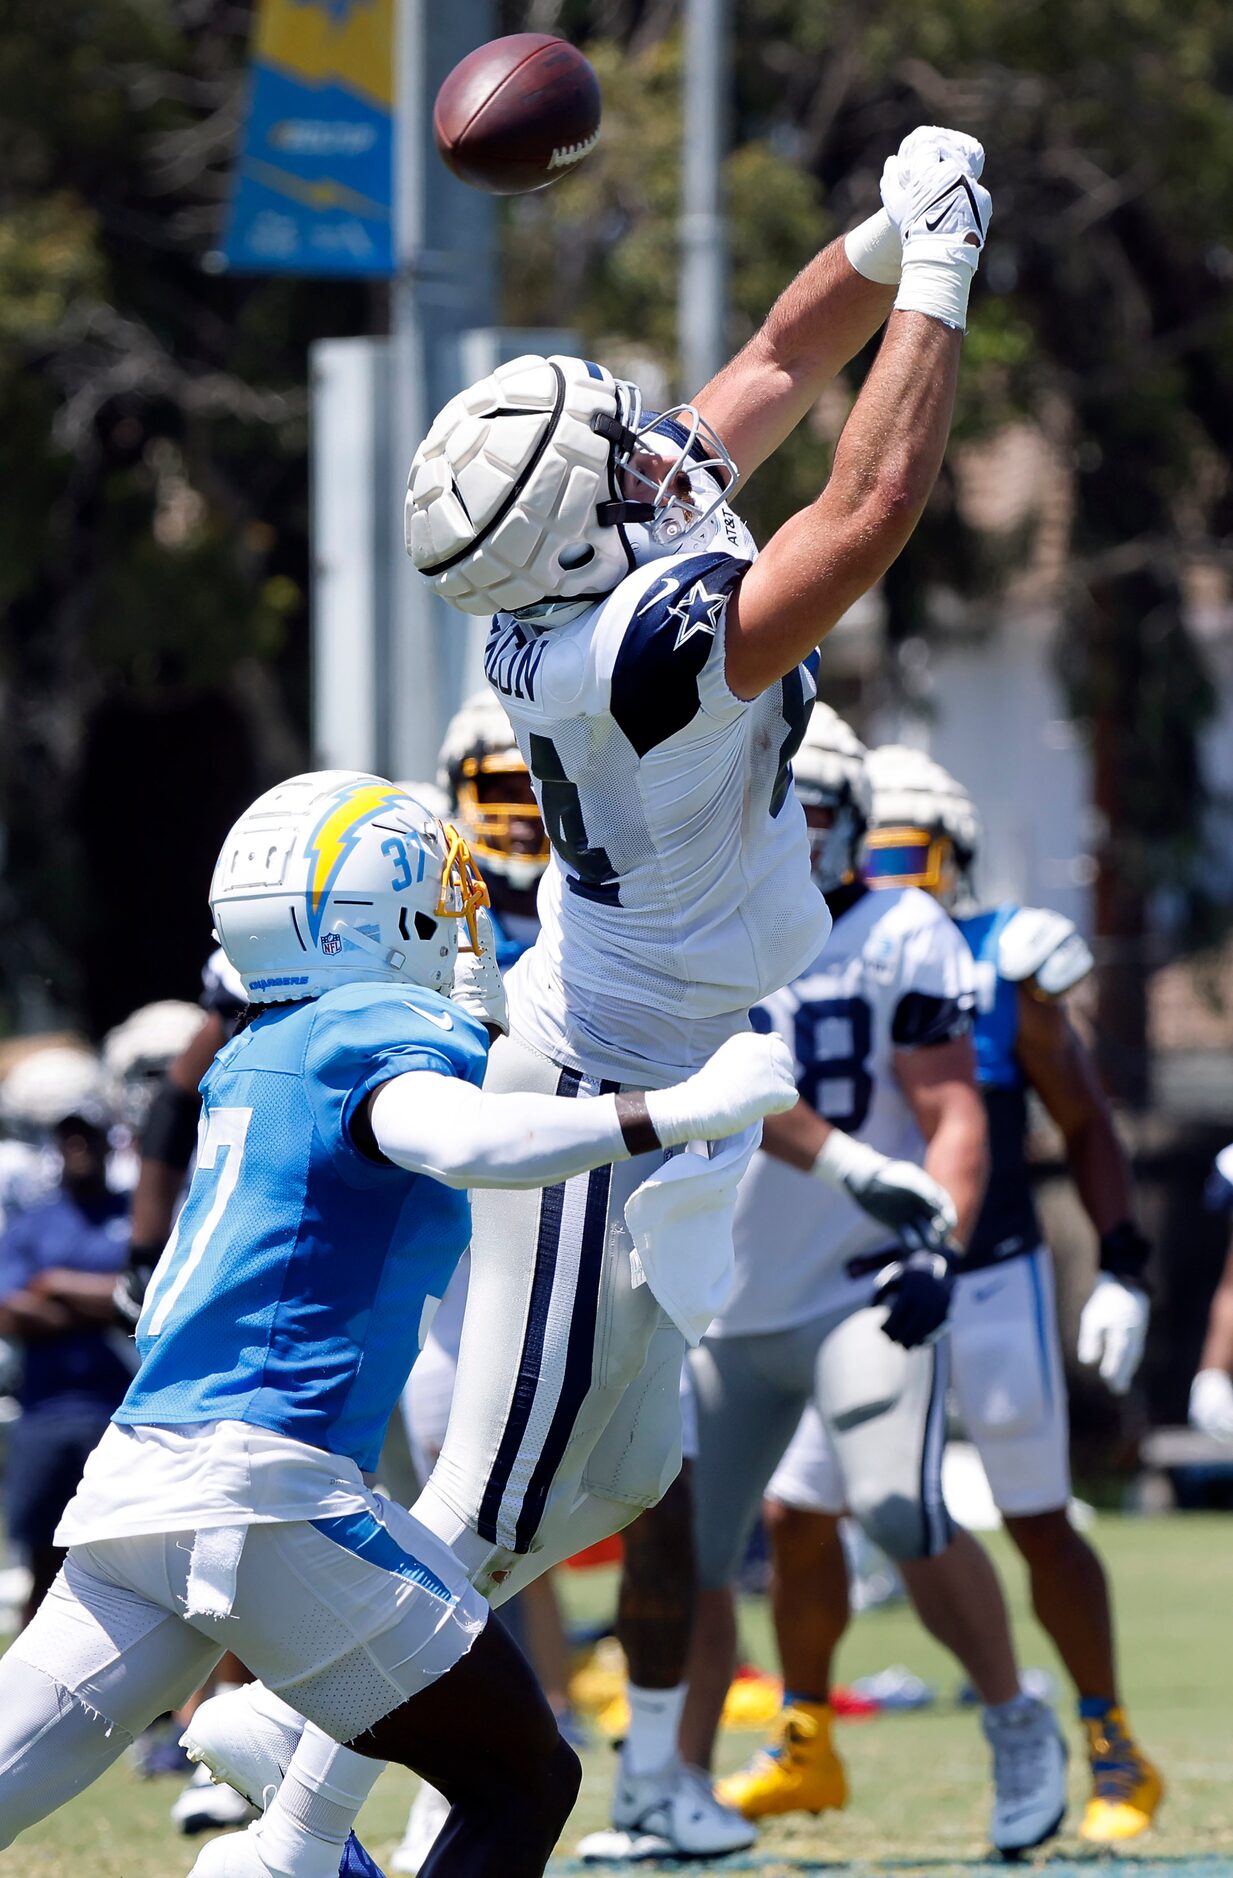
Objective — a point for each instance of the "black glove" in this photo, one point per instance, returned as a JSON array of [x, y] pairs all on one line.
[[918, 1291], [131, 1286]]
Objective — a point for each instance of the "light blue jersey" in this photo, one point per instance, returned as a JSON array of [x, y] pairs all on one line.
[[1008, 1222], [292, 1293]]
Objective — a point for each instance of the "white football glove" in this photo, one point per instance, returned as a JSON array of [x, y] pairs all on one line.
[[1211, 1404], [901, 1197], [478, 985], [1113, 1330], [748, 1077], [931, 186], [933, 198]]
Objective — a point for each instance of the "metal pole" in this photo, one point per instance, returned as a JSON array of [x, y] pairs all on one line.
[[446, 235], [703, 305]]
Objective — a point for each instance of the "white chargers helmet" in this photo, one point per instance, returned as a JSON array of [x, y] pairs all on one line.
[[52, 1083], [137, 1052], [539, 488], [829, 773], [338, 876], [924, 830], [489, 785]]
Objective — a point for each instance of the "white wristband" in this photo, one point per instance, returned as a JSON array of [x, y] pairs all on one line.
[[937, 278], [875, 250], [840, 1159]]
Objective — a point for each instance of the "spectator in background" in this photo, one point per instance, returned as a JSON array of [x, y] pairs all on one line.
[[1211, 1392], [58, 1265]]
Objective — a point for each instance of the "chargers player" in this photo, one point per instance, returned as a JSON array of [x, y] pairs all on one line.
[[880, 1027], [1006, 1361], [651, 668], [226, 1503]]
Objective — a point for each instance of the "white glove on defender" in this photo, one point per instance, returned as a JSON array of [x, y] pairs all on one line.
[[1113, 1331], [932, 194], [901, 1197], [748, 1077], [478, 985], [1211, 1404]]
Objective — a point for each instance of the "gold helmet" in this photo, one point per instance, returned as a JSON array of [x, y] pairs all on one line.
[[924, 830], [483, 771]]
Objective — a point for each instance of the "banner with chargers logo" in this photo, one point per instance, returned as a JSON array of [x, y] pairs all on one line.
[[313, 188]]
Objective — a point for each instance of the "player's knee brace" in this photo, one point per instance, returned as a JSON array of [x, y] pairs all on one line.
[[903, 1527]]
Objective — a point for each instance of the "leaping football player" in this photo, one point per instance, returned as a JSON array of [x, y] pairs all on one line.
[[651, 666], [225, 1504], [1006, 1359]]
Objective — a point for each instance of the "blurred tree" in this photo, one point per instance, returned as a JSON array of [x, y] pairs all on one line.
[[1103, 316], [153, 538]]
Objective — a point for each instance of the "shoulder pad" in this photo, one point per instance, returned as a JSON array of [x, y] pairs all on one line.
[[1035, 943], [1224, 1163]]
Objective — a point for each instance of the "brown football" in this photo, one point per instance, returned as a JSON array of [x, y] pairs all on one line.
[[517, 113]]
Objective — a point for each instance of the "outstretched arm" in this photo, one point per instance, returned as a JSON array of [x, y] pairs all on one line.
[[817, 324], [889, 454], [433, 1124]]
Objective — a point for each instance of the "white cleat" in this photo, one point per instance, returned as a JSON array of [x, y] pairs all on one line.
[[205, 1806], [239, 1743], [671, 1813], [236, 1856], [1029, 1775], [429, 1812]]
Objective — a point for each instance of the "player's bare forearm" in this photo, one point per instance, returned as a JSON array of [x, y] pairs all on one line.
[[1218, 1343], [817, 324], [1063, 1074], [940, 1086], [797, 1137], [957, 1159], [825, 557]]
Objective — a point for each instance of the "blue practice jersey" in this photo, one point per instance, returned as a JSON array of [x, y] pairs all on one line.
[[1008, 1222], [292, 1293]]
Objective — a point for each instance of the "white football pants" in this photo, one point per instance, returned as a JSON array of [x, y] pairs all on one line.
[[565, 1422]]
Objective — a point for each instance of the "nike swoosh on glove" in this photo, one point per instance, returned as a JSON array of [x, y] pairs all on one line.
[[918, 1291], [935, 192], [479, 988]]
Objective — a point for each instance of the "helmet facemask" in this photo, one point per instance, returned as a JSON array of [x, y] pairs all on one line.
[[834, 850], [506, 833]]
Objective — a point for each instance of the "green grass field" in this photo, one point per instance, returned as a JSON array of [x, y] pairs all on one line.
[[919, 1780]]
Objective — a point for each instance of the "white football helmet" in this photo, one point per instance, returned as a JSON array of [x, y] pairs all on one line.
[[137, 1052], [924, 830], [537, 489], [489, 785], [338, 876], [51, 1084], [828, 772]]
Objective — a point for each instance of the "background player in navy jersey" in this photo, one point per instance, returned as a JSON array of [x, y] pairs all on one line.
[[651, 666], [1006, 1360], [226, 1501]]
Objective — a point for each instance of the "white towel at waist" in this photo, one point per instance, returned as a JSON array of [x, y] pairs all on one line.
[[681, 1224]]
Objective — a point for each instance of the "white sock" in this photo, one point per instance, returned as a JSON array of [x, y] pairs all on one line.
[[306, 1826], [654, 1719]]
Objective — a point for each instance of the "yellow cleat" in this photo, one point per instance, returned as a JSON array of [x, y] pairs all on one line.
[[799, 1772], [1126, 1788]]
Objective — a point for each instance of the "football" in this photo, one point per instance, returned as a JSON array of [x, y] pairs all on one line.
[[517, 113]]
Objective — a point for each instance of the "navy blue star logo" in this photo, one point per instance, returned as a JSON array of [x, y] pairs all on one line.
[[698, 612]]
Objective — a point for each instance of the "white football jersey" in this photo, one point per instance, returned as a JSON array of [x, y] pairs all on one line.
[[679, 891], [896, 975]]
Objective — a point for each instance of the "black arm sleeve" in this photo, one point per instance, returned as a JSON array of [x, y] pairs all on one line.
[[921, 1020], [170, 1133]]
